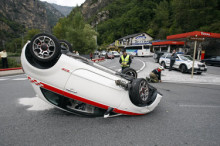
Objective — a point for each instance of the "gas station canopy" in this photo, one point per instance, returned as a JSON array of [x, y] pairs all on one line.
[[194, 36], [198, 34], [168, 43]]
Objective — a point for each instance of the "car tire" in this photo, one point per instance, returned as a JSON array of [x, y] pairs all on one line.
[[139, 92], [45, 47], [163, 64], [130, 72], [183, 68], [199, 73], [65, 46]]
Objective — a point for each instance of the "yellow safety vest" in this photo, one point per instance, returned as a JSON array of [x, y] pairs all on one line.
[[125, 61]]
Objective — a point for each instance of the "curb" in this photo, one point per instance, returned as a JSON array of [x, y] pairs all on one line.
[[11, 71], [7, 69]]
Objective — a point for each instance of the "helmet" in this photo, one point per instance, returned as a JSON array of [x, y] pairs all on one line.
[[161, 68]]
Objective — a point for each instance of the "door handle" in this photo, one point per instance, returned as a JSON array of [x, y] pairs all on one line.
[[71, 90]]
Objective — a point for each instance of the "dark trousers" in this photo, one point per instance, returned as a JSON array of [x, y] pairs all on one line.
[[4, 63], [122, 68], [171, 64]]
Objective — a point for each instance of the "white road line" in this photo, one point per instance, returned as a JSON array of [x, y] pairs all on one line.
[[19, 79], [186, 82], [142, 66], [112, 66], [203, 106], [3, 79]]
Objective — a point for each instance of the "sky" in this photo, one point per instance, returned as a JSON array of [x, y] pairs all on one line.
[[66, 2]]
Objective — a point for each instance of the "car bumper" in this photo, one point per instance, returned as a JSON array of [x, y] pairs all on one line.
[[198, 70]]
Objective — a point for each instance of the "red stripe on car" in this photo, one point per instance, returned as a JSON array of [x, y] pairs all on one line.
[[48, 87]]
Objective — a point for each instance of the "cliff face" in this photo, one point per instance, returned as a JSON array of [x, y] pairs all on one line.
[[63, 9], [93, 9], [15, 15]]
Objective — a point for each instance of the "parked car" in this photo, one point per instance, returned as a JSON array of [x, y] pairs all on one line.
[[183, 63], [77, 85], [115, 53], [157, 56], [215, 60], [109, 55], [103, 53]]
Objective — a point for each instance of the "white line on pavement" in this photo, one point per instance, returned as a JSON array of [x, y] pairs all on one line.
[[204, 106], [3, 79], [185, 82], [19, 79], [142, 66]]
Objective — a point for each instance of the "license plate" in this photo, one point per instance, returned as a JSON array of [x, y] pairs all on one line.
[[202, 68]]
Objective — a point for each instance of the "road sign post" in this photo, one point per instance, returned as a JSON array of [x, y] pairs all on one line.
[[194, 52]]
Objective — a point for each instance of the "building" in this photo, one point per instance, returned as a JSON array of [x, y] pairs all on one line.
[[134, 39]]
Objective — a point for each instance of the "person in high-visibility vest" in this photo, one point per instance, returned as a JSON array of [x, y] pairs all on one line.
[[125, 60]]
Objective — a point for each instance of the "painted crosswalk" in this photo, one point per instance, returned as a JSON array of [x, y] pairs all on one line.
[[14, 78]]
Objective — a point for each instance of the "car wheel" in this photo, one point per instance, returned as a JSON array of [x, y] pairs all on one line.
[[130, 72], [45, 47], [199, 73], [183, 68], [65, 46], [163, 64], [139, 92]]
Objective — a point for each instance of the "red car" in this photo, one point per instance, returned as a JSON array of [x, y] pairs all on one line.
[[109, 56]]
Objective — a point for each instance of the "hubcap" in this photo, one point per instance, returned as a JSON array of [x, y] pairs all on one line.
[[144, 90], [43, 47], [131, 73]]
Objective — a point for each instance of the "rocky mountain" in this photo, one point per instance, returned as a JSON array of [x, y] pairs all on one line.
[[18, 15], [65, 10], [93, 12]]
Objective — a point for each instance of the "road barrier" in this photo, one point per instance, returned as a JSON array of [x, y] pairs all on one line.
[[98, 59]]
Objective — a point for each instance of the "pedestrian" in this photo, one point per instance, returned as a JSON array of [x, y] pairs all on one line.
[[125, 60], [3, 56], [77, 53], [91, 56], [155, 75], [172, 59]]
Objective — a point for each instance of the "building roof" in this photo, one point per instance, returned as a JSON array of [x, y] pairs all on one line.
[[132, 35]]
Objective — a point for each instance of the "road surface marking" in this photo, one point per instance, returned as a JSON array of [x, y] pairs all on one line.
[[142, 66], [3, 79], [19, 79], [204, 106]]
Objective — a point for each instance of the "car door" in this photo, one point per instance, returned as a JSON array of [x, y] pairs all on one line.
[[94, 86], [177, 62], [167, 60]]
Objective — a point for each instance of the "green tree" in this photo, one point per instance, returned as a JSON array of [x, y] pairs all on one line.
[[77, 32]]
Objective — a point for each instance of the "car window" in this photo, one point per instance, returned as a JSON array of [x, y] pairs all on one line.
[[168, 56], [186, 57], [218, 58]]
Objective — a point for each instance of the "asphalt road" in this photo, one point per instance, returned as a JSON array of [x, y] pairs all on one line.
[[187, 115]]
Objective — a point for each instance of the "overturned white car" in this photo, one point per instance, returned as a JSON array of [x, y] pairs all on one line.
[[80, 86]]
